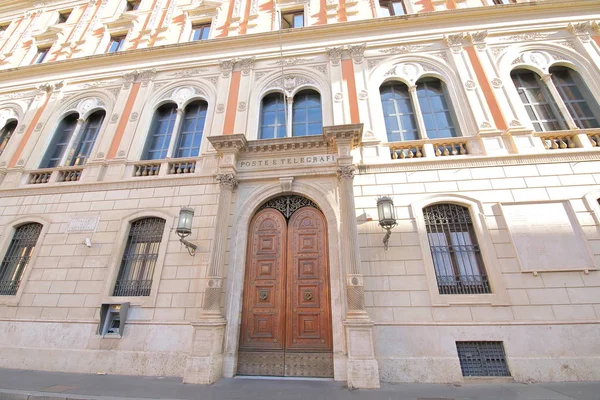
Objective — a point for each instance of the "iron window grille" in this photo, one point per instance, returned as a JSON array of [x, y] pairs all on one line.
[[139, 258], [456, 254], [482, 359], [17, 257]]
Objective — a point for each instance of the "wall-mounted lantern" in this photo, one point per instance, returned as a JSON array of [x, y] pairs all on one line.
[[184, 228], [387, 217]]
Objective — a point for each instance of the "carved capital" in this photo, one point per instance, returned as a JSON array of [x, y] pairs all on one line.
[[454, 41], [246, 65], [344, 137], [478, 39], [346, 172], [227, 66], [357, 52], [335, 54], [581, 30], [227, 181]]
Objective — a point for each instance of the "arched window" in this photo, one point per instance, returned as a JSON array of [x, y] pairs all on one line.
[[272, 116], [307, 118], [575, 94], [455, 251], [58, 146], [437, 112], [17, 257], [139, 257], [84, 143], [161, 129], [192, 127], [398, 112], [538, 101], [6, 133]]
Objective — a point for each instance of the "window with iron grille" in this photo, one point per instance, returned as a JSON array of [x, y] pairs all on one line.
[[482, 359], [17, 257], [456, 254], [139, 257]]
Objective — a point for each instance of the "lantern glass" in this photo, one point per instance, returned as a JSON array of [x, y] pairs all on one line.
[[184, 225], [385, 208]]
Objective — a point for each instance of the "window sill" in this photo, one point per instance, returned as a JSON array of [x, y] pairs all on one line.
[[447, 300]]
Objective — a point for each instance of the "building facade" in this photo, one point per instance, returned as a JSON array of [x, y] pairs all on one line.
[[281, 125]]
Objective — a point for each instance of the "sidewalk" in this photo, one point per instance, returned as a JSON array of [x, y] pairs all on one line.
[[36, 385]]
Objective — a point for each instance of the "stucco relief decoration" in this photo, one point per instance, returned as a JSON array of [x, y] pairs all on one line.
[[497, 83], [357, 52], [292, 61], [21, 129], [540, 59], [220, 108], [335, 55], [3, 164], [498, 50], [363, 95], [21, 162], [242, 106], [182, 95], [470, 85], [338, 97], [478, 39], [581, 30], [403, 49], [228, 181], [372, 63], [186, 73], [246, 65], [524, 37], [455, 42], [134, 116], [515, 123], [86, 105], [408, 71], [346, 172], [485, 125], [227, 67], [322, 68], [39, 127], [212, 79]]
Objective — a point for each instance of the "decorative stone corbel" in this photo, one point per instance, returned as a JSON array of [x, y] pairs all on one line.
[[478, 39], [227, 67], [454, 41], [335, 55], [228, 147], [357, 52], [581, 30]]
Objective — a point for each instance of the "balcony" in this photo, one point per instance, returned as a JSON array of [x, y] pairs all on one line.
[[52, 175], [179, 166], [431, 148]]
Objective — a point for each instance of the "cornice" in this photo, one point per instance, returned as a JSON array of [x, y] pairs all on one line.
[[264, 45], [424, 164]]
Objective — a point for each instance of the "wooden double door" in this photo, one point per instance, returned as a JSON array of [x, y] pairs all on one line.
[[286, 314]]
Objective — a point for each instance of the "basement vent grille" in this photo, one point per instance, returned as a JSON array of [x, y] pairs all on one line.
[[482, 359]]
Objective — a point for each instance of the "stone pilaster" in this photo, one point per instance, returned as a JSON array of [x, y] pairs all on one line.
[[362, 368], [205, 363]]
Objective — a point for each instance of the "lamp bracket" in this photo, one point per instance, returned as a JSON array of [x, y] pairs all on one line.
[[191, 247]]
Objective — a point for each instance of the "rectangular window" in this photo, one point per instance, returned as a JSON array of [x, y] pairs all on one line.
[[504, 1], [63, 16], [17, 257], [390, 8], [200, 32], [455, 251], [41, 55], [482, 359], [116, 44], [139, 258], [132, 5], [292, 19]]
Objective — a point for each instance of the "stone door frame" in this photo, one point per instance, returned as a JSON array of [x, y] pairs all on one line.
[[243, 213]]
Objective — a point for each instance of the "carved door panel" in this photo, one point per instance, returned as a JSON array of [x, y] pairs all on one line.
[[308, 320], [262, 339], [286, 317]]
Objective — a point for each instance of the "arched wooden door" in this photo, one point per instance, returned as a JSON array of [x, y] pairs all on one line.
[[286, 314]]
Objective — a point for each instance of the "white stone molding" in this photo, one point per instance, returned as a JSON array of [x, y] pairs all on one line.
[[357, 52], [10, 112], [581, 30], [591, 201], [116, 256], [499, 296], [335, 55]]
